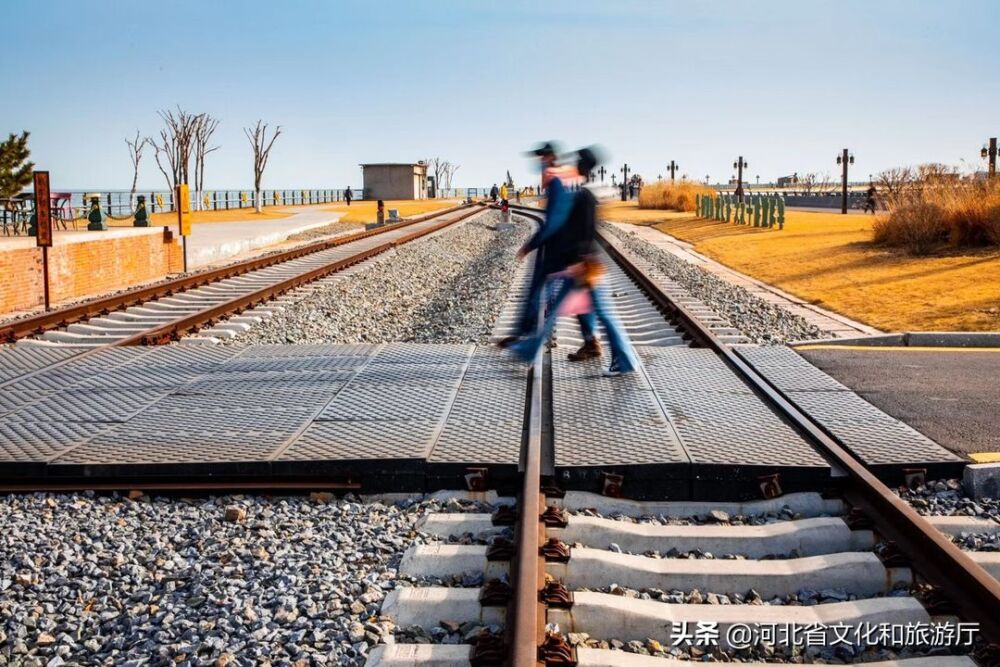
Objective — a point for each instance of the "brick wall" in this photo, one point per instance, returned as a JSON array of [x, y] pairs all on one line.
[[84, 264]]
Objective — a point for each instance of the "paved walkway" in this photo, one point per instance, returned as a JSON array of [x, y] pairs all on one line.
[[215, 241], [832, 324], [949, 394]]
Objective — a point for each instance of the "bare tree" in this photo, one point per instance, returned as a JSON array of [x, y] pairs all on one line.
[[203, 131], [135, 148], [434, 168], [894, 184], [448, 172], [175, 145], [808, 182], [261, 147]]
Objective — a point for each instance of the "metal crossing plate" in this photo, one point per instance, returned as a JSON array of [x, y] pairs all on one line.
[[606, 406], [283, 364], [42, 441], [489, 401], [35, 357], [773, 356], [363, 440], [366, 402], [306, 350], [616, 444], [682, 357], [878, 443], [838, 406], [90, 405], [677, 378], [416, 353], [162, 436], [801, 378], [417, 375], [464, 441]]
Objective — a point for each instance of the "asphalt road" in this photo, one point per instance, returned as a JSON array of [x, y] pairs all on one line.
[[950, 396]]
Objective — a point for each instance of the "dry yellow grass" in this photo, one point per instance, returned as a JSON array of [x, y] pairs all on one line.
[[829, 260], [673, 195], [365, 211]]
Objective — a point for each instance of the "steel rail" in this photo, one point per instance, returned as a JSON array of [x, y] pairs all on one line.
[[975, 593], [175, 329], [42, 322], [527, 613]]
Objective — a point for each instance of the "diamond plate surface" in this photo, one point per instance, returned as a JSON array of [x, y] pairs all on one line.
[[594, 444], [735, 429], [417, 375], [490, 403], [41, 441], [189, 354], [674, 378], [363, 440], [364, 402], [607, 406], [479, 442], [888, 443], [12, 400], [838, 406], [418, 353], [92, 405], [191, 437], [801, 378], [773, 356], [683, 357], [304, 350], [143, 377], [283, 364], [51, 380], [32, 358]]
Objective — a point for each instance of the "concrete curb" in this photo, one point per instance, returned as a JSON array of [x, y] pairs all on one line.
[[969, 339], [427, 607]]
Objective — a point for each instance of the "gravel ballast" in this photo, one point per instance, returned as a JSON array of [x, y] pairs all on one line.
[[239, 580], [446, 288], [762, 322]]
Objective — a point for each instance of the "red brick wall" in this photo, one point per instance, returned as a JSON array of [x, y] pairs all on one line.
[[85, 268]]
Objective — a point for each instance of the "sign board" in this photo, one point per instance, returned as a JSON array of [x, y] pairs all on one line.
[[183, 199], [43, 210]]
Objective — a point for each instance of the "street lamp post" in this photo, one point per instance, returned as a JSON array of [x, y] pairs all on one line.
[[991, 153], [844, 159], [625, 182], [602, 171], [739, 166], [706, 179], [673, 167]]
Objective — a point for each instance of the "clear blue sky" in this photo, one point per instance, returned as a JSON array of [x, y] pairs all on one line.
[[786, 84]]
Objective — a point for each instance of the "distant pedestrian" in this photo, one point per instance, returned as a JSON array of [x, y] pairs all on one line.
[[348, 196], [576, 271], [517, 195], [494, 192], [870, 199]]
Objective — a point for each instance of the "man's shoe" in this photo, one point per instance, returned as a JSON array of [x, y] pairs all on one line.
[[616, 370], [590, 350], [504, 343]]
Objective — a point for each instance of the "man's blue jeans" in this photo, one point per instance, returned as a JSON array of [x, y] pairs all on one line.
[[529, 311]]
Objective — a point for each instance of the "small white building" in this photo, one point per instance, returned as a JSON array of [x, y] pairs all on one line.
[[393, 180]]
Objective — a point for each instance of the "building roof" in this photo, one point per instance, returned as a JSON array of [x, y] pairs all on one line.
[[393, 164]]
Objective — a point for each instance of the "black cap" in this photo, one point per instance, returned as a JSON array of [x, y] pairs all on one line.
[[547, 148], [586, 160]]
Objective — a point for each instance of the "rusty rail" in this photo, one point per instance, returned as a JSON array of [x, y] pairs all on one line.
[[527, 613], [62, 317], [975, 593]]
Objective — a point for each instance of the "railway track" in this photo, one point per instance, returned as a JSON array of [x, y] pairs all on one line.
[[238, 293], [565, 597], [564, 576]]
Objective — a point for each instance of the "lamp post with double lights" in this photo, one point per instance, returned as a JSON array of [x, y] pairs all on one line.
[[602, 171], [625, 171], [844, 159], [990, 153], [673, 167], [739, 166]]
